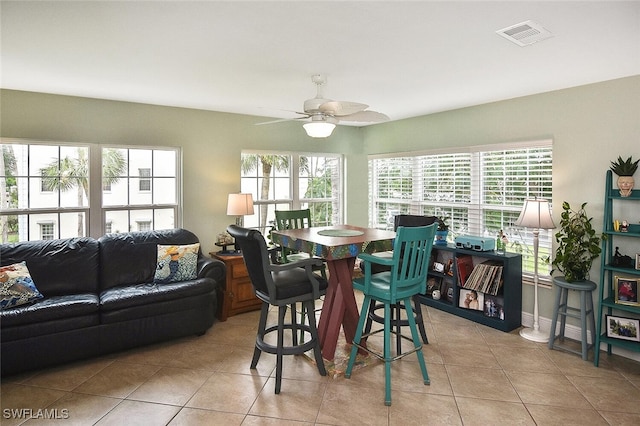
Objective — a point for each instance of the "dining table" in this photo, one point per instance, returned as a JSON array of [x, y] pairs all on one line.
[[338, 245]]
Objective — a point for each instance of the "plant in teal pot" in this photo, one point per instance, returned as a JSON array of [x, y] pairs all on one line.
[[442, 232]]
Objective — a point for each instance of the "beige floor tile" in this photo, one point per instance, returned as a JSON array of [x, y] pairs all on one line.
[[17, 401], [621, 419], [547, 389], [473, 382], [271, 421], [344, 404], [545, 415], [69, 376], [118, 379], [482, 412], [233, 393], [170, 386], [409, 408], [82, 409], [524, 359], [572, 365], [609, 395], [239, 362], [197, 417], [449, 333], [461, 353], [298, 400], [138, 413]]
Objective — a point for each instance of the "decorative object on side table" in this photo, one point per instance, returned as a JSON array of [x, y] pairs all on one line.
[[625, 170], [442, 232], [536, 215], [240, 205]]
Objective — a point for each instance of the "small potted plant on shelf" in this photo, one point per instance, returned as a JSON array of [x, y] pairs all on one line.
[[578, 244], [442, 232], [625, 170]]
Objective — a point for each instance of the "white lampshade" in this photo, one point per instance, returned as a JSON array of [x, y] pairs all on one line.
[[240, 204], [319, 129], [535, 214]]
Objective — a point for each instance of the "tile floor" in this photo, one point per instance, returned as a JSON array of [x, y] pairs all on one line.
[[479, 376]]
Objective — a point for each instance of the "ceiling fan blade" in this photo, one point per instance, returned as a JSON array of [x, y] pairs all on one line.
[[366, 117], [341, 108], [284, 119]]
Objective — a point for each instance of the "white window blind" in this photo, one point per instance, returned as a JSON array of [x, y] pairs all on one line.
[[479, 191]]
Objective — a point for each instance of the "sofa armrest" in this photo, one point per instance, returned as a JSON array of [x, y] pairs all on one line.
[[211, 268]]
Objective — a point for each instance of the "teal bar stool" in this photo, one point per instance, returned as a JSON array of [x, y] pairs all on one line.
[[407, 277], [584, 313]]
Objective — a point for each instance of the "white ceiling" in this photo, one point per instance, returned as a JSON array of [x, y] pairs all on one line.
[[404, 59]]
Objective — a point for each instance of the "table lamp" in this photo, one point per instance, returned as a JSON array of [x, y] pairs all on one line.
[[535, 215], [239, 205]]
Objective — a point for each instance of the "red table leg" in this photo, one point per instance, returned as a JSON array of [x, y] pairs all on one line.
[[339, 307]]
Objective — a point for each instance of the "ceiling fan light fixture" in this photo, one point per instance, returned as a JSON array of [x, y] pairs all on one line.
[[319, 129]]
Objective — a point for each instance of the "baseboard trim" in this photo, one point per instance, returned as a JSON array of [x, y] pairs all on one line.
[[574, 332]]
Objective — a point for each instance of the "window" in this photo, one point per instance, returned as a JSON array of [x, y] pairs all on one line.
[[288, 181], [144, 225], [480, 191], [46, 231], [144, 183], [48, 191]]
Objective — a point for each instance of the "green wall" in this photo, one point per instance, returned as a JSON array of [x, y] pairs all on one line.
[[590, 125]]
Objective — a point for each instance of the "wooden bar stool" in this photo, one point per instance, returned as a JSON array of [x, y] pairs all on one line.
[[583, 313]]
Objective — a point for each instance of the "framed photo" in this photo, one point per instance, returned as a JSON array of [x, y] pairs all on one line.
[[622, 328], [438, 267], [493, 306], [626, 290], [637, 260], [471, 299], [433, 283]]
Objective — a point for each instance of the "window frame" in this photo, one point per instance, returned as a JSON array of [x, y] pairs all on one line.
[[95, 213], [295, 200]]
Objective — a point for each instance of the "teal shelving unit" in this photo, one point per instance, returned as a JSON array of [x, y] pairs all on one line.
[[607, 301]]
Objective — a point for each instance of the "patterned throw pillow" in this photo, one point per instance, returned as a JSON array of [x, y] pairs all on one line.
[[16, 286], [176, 263]]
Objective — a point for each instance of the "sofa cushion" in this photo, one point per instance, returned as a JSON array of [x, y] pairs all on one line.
[[131, 258], [50, 308], [176, 263], [58, 267], [16, 286], [143, 294]]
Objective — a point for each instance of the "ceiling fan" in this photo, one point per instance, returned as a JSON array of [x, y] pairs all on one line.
[[326, 113]]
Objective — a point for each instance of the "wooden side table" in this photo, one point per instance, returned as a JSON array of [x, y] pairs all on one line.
[[238, 295]]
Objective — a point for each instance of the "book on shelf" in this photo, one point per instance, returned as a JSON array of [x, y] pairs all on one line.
[[464, 263], [486, 277]]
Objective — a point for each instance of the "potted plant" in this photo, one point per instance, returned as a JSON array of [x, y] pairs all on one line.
[[625, 170], [578, 244], [442, 232]]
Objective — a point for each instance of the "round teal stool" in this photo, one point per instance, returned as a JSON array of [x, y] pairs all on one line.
[[584, 313]]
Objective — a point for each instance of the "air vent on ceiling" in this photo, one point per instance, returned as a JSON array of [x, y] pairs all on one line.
[[525, 33]]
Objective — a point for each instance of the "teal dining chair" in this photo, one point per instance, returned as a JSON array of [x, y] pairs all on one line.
[[407, 277]]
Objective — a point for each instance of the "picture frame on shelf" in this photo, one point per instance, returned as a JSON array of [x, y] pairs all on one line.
[[433, 283], [626, 290], [471, 299], [493, 306], [623, 328], [638, 261]]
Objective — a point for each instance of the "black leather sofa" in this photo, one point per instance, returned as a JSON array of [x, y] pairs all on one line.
[[99, 297]]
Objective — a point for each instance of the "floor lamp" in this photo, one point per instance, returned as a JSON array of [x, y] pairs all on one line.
[[535, 215]]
